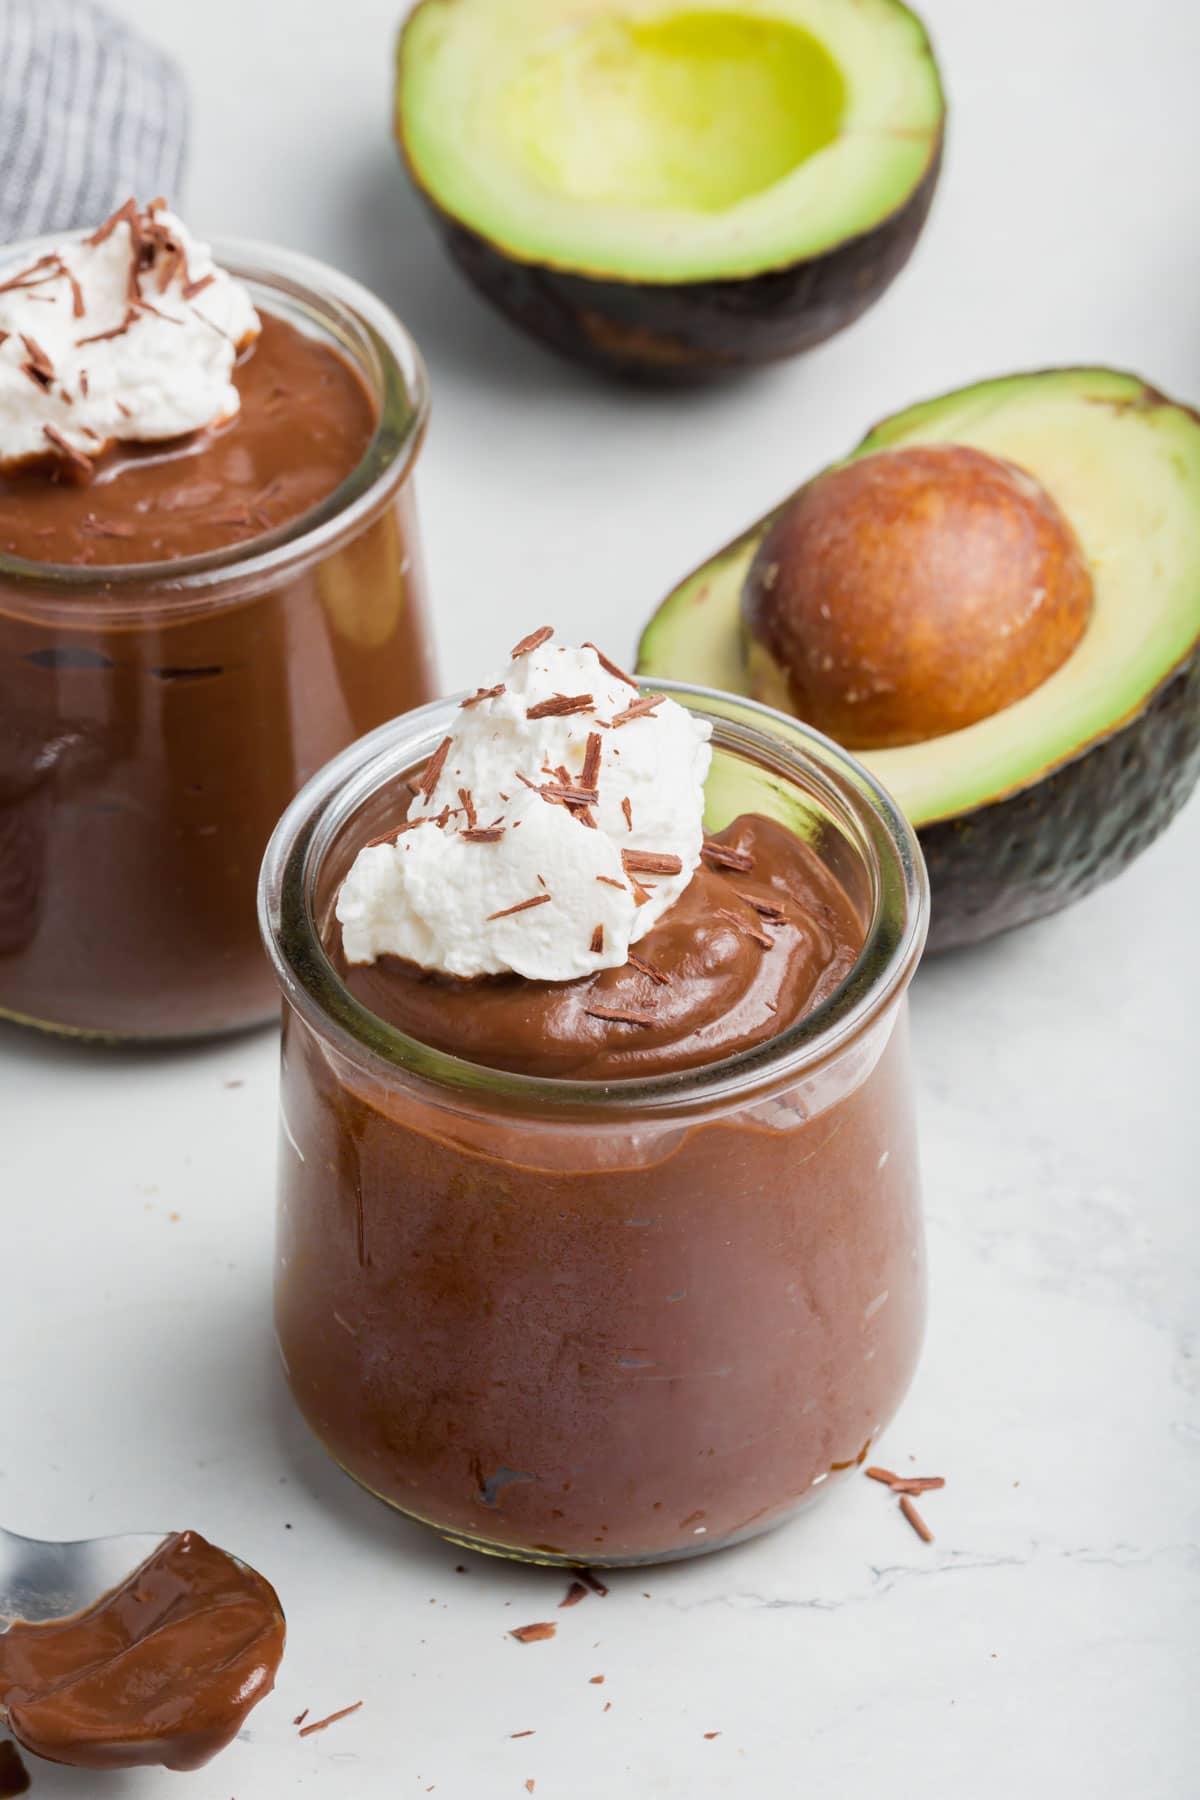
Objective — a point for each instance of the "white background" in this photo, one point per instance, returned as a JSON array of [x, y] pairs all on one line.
[[1047, 1644]]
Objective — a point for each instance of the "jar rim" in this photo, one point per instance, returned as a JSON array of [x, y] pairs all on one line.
[[399, 375], [892, 946]]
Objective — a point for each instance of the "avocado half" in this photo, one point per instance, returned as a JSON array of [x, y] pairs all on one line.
[[1036, 805], [673, 191]]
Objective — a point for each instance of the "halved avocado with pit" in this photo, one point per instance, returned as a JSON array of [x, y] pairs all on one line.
[[673, 191], [1032, 807]]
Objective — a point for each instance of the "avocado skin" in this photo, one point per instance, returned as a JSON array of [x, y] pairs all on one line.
[[1036, 851], [683, 333]]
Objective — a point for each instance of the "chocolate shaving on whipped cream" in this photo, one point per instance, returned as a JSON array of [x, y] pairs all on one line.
[[579, 816], [154, 369]]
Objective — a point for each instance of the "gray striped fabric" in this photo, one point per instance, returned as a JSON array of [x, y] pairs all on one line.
[[89, 114]]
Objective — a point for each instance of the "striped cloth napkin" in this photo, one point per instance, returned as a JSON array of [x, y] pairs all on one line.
[[89, 114]]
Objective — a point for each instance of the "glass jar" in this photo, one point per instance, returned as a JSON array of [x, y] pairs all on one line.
[[602, 1324], [156, 718]]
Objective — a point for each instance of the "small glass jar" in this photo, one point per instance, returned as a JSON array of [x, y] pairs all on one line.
[[156, 718], [602, 1324]]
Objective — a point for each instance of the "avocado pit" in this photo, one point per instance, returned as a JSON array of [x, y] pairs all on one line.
[[911, 594]]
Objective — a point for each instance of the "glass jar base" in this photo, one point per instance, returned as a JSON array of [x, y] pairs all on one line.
[[553, 1559], [86, 1034]]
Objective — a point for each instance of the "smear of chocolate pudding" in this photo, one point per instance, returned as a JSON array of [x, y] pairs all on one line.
[[14, 1776], [162, 1670], [762, 935], [305, 422]]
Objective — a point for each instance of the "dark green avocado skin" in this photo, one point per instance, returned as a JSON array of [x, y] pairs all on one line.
[[1022, 857], [681, 333]]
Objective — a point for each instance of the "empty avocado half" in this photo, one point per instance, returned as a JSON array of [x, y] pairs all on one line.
[[673, 191], [996, 600]]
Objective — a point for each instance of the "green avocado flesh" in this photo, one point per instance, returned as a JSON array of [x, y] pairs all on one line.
[[1123, 464], [650, 144]]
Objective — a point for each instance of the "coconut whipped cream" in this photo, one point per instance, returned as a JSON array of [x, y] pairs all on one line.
[[550, 830], [129, 335]]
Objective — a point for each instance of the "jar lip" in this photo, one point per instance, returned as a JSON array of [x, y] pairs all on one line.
[[403, 397], [311, 985]]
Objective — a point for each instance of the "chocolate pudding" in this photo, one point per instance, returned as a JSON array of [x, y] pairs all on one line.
[[162, 1670], [242, 479], [190, 624], [699, 986], [642, 1270]]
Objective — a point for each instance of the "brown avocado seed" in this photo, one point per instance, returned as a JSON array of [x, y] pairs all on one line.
[[912, 593]]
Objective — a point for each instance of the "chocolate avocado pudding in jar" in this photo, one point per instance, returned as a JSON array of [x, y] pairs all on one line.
[[599, 1230], [210, 583]]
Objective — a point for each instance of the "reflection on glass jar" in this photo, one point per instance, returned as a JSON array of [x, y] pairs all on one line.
[[156, 718], [602, 1324]]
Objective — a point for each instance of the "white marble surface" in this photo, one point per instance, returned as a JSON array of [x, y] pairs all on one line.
[[1046, 1645]]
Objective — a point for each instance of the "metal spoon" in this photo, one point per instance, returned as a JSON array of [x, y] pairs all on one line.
[[40, 1581]]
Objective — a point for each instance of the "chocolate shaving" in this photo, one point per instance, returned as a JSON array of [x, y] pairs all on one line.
[[521, 906], [482, 694], [75, 457], [484, 834], [627, 809], [915, 1520], [28, 278], [77, 307], [468, 806], [534, 1634], [595, 1681], [650, 862], [593, 1581], [597, 944], [764, 908], [563, 795], [559, 705], [611, 881], [906, 1484], [585, 817], [590, 773], [300, 1717], [394, 831], [534, 641], [192, 288], [39, 364], [433, 769], [574, 1594], [610, 667], [521, 1734], [114, 331], [638, 709], [321, 1724], [126, 214], [212, 325], [144, 305], [724, 856], [648, 968], [745, 927], [622, 1015]]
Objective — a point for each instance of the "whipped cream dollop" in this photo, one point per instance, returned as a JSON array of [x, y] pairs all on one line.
[[129, 335], [555, 824]]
